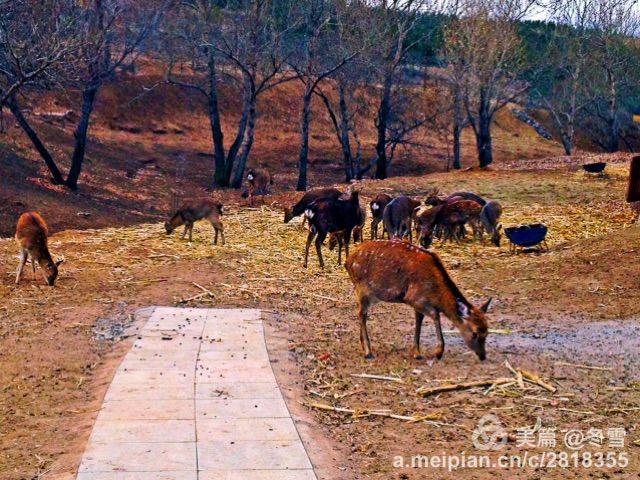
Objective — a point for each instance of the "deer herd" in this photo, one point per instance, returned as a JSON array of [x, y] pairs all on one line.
[[393, 270]]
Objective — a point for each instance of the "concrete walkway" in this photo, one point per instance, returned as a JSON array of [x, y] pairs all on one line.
[[196, 398]]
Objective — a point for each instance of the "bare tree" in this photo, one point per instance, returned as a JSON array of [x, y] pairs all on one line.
[[240, 41], [484, 51], [111, 33], [317, 58], [615, 25]]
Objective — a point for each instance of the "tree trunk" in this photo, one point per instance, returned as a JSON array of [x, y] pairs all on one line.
[[613, 126], [216, 126], [77, 159], [232, 154], [303, 159], [381, 125], [56, 175], [483, 138], [246, 147], [344, 136], [458, 123]]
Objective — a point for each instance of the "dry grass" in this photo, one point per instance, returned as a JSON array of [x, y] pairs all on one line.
[[47, 347]]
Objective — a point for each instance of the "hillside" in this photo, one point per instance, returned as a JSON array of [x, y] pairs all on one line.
[[150, 145]]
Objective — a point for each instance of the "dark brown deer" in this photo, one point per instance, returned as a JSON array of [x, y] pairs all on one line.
[[32, 237], [377, 206], [307, 199], [398, 217], [258, 181], [327, 216], [396, 271], [336, 239], [193, 211]]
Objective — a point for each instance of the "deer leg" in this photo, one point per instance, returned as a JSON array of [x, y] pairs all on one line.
[[191, 232], [306, 250], [23, 260], [218, 228], [363, 309], [340, 243], [374, 229], [319, 240], [410, 231], [439, 350], [33, 267], [186, 229], [416, 338]]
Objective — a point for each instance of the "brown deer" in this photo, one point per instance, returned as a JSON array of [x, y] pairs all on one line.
[[377, 206], [193, 211], [307, 199], [397, 272], [258, 181], [398, 217], [32, 236]]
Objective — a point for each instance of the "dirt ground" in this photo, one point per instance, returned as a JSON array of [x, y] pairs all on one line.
[[577, 304]]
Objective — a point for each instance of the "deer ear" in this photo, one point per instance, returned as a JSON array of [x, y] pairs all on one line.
[[487, 305], [463, 309], [59, 262]]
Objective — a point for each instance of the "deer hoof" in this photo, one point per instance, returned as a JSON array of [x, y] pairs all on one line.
[[369, 356]]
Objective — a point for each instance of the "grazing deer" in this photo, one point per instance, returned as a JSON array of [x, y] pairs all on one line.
[[307, 199], [426, 224], [193, 211], [434, 199], [454, 216], [398, 272], [258, 181], [32, 234], [398, 215], [489, 217], [327, 216], [377, 206]]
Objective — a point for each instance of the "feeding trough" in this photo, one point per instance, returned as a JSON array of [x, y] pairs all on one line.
[[597, 167], [527, 236]]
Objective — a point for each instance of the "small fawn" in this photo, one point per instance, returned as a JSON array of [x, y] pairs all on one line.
[[397, 272], [377, 206], [32, 234], [192, 211], [258, 181]]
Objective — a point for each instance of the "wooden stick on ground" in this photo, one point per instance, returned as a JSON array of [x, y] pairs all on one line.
[[425, 392], [377, 377], [584, 367], [378, 413]]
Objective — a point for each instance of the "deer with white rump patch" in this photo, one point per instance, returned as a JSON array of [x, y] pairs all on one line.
[[398, 272]]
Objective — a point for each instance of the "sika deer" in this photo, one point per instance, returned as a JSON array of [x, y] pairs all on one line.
[[258, 181], [336, 239], [434, 199], [32, 236], [397, 217], [377, 206], [489, 216], [307, 199], [398, 272], [193, 211], [327, 216], [454, 216]]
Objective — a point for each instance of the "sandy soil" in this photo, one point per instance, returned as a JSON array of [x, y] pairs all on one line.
[[578, 304]]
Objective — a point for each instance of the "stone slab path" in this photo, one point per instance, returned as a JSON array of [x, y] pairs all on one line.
[[196, 399]]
